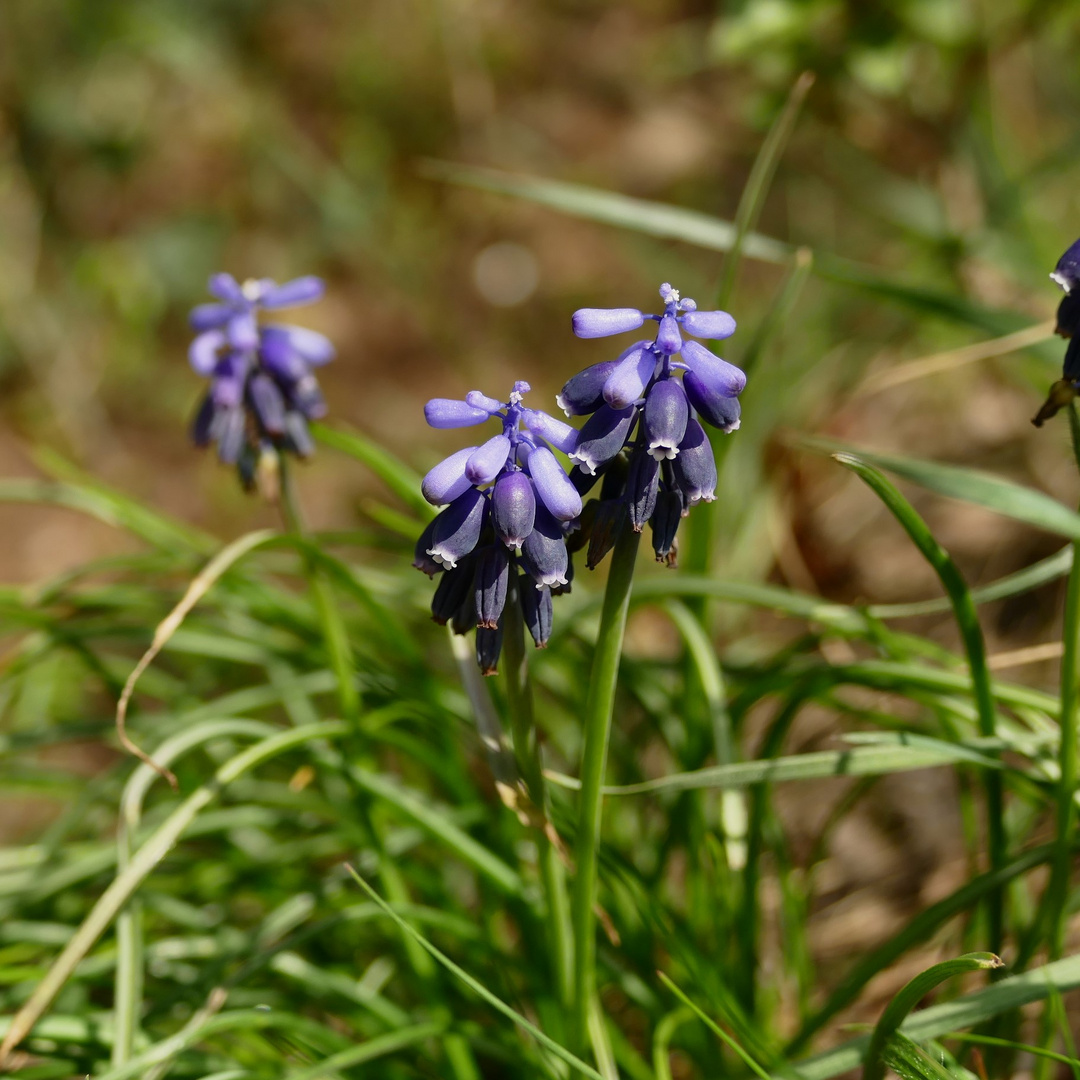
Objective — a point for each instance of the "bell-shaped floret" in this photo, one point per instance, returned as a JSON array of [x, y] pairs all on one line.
[[267, 403], [487, 461], [1068, 315], [554, 487], [603, 322], [631, 375], [716, 409], [668, 338], [544, 553], [609, 521], [718, 375], [513, 508], [1067, 271], [695, 467], [488, 647], [584, 393], [665, 521], [641, 487], [603, 436], [454, 589], [715, 325], [230, 430], [537, 609], [444, 483], [457, 528], [666, 413], [489, 586], [562, 436], [297, 435], [451, 413], [421, 559]]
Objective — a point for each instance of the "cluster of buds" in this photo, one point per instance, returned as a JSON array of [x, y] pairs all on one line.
[[262, 390], [1067, 275], [508, 508], [643, 435]]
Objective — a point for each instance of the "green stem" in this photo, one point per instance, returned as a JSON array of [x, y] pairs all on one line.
[[598, 709], [519, 697]]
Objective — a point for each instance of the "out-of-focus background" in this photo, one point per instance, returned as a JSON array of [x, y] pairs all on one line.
[[144, 145]]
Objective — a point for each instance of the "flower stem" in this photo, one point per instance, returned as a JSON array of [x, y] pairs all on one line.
[[598, 709], [519, 697]]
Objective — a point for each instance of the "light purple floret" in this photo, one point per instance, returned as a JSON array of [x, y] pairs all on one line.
[[718, 375], [715, 325], [666, 415], [513, 508], [554, 487], [203, 351], [478, 400], [486, 463], [302, 290], [603, 322], [602, 437], [695, 467], [668, 338], [627, 382], [447, 481], [544, 551], [451, 413], [315, 348], [562, 436]]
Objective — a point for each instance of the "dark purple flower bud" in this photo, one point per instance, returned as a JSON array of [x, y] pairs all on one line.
[[695, 467], [611, 518], [487, 461], [628, 381], [203, 351], [668, 339], [306, 397], [584, 393], [537, 609], [1068, 315], [488, 648], [297, 436], [603, 322], [208, 316], [302, 290], [478, 400], [225, 287], [242, 330], [562, 436], [716, 325], [455, 588], [554, 487], [450, 413], [641, 488], [716, 409], [718, 375], [603, 436], [447, 481], [464, 619], [666, 413], [544, 550], [458, 528], [421, 559], [665, 522], [513, 508], [489, 587], [202, 425], [614, 484], [267, 403], [1072, 360], [585, 481], [311, 346], [1067, 271], [230, 430]]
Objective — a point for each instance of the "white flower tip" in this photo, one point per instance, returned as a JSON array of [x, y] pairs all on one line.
[[663, 451], [732, 427], [441, 559], [1061, 280]]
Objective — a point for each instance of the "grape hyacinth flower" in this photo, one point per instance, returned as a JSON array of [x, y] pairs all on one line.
[[262, 389], [509, 507], [1067, 275], [643, 434]]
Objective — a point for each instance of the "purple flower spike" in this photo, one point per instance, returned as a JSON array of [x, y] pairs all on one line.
[[720, 376], [450, 413], [477, 400], [457, 529], [603, 322], [544, 551], [553, 486], [669, 340], [695, 467], [641, 488], [536, 606], [203, 351], [666, 414], [628, 381], [513, 508], [716, 409], [487, 462], [447, 481], [602, 437], [715, 325], [584, 393], [302, 290], [562, 436], [1067, 271], [489, 590]]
